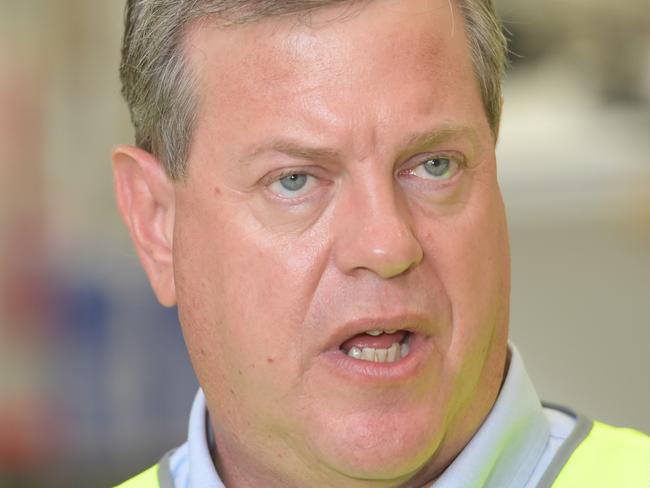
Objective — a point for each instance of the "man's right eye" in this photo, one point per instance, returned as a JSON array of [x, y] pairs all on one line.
[[292, 185]]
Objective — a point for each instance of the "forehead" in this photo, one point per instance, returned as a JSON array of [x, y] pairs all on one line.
[[376, 59]]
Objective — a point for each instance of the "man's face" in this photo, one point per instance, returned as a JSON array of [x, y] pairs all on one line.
[[342, 179]]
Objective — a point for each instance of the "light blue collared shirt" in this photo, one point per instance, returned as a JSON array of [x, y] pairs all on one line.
[[512, 449]]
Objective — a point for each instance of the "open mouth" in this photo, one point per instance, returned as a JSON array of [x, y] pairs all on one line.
[[378, 346]]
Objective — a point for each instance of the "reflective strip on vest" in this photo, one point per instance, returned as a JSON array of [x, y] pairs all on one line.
[[608, 457]]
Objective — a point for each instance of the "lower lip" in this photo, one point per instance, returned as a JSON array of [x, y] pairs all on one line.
[[420, 351]]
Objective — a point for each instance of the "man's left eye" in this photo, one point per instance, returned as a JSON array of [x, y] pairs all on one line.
[[437, 168]]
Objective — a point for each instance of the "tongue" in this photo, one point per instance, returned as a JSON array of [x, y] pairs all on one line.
[[383, 341]]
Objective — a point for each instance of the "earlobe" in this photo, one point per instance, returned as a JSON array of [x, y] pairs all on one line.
[[146, 201]]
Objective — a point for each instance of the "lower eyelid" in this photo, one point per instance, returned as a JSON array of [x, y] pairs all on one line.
[[296, 197], [289, 195]]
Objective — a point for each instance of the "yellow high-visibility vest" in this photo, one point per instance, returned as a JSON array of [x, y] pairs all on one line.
[[608, 457], [146, 479], [596, 455]]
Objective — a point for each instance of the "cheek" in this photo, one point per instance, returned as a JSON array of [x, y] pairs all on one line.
[[242, 295], [471, 256]]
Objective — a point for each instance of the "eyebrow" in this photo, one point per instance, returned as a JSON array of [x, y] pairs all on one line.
[[439, 135], [297, 150], [292, 149]]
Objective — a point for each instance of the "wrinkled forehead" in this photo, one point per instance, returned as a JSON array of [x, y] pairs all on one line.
[[331, 37], [332, 46], [351, 76]]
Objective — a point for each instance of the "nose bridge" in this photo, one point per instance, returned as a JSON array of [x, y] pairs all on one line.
[[374, 228]]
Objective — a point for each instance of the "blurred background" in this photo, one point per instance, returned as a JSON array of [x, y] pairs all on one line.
[[94, 381]]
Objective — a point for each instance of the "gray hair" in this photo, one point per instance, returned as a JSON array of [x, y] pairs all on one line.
[[159, 87]]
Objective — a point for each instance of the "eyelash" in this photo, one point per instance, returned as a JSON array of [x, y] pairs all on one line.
[[273, 177], [276, 178], [457, 160]]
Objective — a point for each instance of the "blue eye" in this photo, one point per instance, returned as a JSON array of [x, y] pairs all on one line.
[[437, 168], [292, 185], [294, 182]]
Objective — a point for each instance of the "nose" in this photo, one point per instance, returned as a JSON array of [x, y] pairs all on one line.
[[374, 232]]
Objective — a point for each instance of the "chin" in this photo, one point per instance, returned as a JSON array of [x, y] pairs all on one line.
[[383, 446]]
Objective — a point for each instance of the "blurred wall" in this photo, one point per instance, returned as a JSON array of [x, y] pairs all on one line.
[[94, 380], [574, 162]]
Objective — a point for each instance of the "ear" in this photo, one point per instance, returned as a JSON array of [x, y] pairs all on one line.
[[145, 198]]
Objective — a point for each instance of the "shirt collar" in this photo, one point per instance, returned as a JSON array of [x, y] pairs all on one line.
[[202, 472], [503, 453], [507, 447]]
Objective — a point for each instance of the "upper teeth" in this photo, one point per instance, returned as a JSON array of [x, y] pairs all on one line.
[[376, 332], [378, 355]]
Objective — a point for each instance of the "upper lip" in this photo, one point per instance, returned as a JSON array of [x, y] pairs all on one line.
[[411, 322]]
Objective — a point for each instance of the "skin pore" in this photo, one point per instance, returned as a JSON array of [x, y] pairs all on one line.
[[342, 177]]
